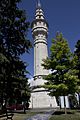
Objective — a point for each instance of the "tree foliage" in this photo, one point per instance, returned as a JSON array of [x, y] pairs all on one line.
[[62, 80], [13, 43], [77, 52]]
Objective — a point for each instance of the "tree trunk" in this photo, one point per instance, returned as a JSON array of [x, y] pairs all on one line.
[[24, 107], [65, 105], [79, 99]]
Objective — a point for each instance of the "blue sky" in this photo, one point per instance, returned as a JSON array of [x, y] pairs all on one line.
[[61, 15]]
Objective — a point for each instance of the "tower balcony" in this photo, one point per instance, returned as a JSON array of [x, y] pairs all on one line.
[[39, 22], [39, 30]]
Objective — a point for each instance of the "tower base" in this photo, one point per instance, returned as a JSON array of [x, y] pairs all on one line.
[[41, 99]]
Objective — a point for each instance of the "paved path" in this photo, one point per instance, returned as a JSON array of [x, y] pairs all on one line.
[[44, 116], [40, 117]]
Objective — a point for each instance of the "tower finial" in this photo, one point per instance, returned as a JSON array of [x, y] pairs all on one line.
[[38, 4]]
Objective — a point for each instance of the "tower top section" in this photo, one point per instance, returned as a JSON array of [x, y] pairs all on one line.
[[39, 14], [39, 24], [38, 4]]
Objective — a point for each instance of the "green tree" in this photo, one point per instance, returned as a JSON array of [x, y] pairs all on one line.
[[77, 53], [62, 80], [13, 43]]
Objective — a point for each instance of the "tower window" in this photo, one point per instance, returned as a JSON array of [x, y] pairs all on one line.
[[39, 16]]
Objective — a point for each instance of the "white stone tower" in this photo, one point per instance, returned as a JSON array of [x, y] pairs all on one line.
[[39, 96], [39, 32]]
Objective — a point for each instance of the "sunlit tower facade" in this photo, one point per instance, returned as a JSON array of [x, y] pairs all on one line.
[[39, 96]]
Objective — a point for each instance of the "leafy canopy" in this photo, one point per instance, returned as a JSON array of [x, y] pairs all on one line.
[[62, 80], [13, 43], [77, 52]]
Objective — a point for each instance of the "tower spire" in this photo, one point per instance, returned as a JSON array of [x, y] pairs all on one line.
[[38, 4]]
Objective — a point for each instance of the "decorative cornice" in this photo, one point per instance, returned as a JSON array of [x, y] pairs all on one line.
[[37, 20]]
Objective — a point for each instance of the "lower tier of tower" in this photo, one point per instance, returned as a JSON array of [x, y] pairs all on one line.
[[41, 99]]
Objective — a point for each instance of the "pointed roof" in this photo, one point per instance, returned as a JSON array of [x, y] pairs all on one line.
[[38, 4], [39, 15]]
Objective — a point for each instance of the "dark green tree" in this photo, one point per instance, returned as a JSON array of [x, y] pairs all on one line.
[[77, 53], [63, 79], [13, 43]]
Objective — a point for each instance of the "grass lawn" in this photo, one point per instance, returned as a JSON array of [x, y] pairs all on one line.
[[21, 115], [58, 115], [71, 115]]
